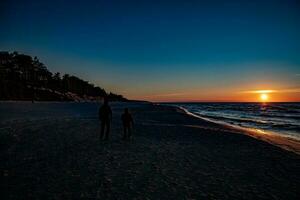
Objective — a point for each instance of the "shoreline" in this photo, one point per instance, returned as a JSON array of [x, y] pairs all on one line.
[[286, 143]]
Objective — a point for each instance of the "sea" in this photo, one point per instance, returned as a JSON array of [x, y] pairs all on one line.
[[278, 118]]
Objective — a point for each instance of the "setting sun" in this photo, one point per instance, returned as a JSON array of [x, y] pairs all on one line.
[[264, 97]]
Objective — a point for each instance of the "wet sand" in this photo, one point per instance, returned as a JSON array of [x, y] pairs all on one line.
[[171, 156], [287, 143]]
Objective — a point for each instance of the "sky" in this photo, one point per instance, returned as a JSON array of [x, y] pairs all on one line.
[[164, 50]]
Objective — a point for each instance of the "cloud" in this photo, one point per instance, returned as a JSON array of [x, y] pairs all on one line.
[[168, 95], [289, 90], [294, 90], [259, 91]]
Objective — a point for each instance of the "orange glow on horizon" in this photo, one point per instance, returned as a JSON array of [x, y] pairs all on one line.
[[252, 98], [230, 95]]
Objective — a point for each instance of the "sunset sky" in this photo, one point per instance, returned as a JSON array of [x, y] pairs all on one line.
[[164, 50]]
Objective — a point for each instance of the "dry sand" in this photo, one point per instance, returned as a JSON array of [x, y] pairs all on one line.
[[172, 156]]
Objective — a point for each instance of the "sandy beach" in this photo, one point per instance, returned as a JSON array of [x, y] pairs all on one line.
[[172, 156]]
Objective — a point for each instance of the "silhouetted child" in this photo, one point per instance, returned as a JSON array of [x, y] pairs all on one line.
[[127, 123], [105, 116]]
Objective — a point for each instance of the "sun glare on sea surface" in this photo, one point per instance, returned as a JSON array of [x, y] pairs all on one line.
[[264, 97]]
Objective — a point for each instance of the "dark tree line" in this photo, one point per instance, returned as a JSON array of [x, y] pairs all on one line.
[[25, 78]]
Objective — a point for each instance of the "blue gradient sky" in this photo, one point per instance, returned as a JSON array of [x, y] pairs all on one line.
[[164, 50]]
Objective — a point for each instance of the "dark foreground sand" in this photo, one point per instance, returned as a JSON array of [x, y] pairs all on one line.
[[172, 156]]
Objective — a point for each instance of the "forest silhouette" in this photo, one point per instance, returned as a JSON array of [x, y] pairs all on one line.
[[25, 78]]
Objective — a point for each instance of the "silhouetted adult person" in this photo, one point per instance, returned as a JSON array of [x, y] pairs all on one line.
[[127, 124], [105, 116]]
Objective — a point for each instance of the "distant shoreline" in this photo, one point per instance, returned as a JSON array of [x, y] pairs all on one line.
[[83, 101], [27, 101]]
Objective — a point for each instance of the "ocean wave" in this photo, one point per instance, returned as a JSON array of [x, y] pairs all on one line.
[[279, 117], [233, 118]]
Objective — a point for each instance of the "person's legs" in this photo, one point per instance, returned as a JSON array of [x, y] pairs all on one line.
[[124, 132], [129, 131], [102, 130], [107, 130]]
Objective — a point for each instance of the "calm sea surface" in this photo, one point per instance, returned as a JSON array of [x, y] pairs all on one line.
[[281, 118]]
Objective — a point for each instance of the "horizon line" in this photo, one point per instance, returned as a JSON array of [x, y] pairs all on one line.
[[225, 102]]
